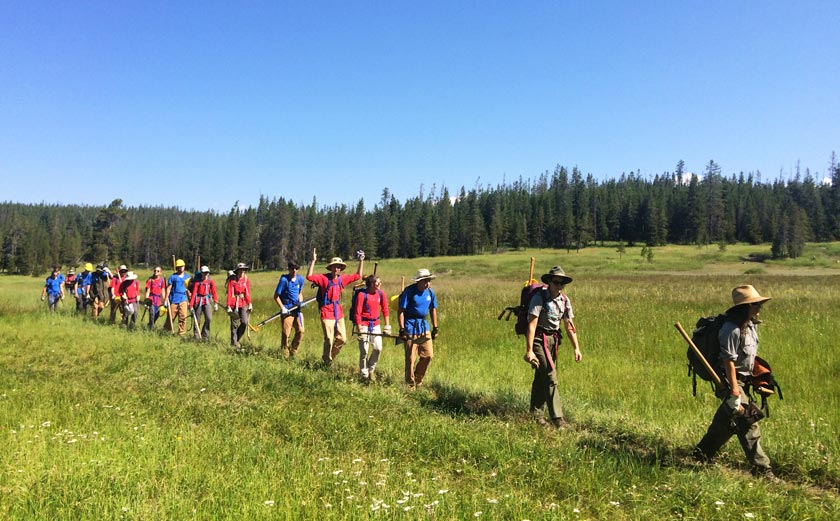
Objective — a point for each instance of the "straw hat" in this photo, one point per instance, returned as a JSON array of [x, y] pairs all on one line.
[[336, 261], [205, 269], [130, 276], [122, 267], [423, 274], [556, 271], [745, 294]]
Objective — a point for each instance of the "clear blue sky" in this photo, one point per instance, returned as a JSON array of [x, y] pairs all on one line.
[[201, 104]]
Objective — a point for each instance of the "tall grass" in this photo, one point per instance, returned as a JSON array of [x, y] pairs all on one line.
[[99, 422]]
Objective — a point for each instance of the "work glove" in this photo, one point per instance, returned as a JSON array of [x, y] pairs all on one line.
[[403, 334], [129, 308], [62, 298], [386, 330], [250, 308], [302, 304], [283, 310], [43, 298], [229, 310], [434, 333], [733, 403], [166, 304], [216, 306]]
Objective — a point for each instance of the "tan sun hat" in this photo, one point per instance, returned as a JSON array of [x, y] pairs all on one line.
[[130, 276], [423, 274], [556, 271], [745, 294], [336, 261]]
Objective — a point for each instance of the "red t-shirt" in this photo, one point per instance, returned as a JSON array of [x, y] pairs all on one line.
[[329, 296], [129, 290], [368, 313]]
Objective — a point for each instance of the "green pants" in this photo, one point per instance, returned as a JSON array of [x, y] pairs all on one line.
[[544, 387]]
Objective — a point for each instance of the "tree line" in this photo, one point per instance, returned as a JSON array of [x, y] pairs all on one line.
[[559, 209]]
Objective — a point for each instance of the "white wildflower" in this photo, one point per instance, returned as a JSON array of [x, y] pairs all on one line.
[[477, 514], [337, 472], [443, 491], [269, 503], [406, 509], [749, 515], [614, 503]]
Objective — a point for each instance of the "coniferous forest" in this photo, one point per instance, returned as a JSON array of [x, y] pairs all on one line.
[[559, 209]]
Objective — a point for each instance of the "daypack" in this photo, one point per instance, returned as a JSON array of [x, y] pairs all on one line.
[[521, 311], [705, 337], [323, 293], [353, 302]]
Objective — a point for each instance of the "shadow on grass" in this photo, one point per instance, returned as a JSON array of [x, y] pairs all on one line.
[[453, 400]]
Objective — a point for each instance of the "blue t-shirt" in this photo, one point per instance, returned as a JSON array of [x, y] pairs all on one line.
[[416, 305], [289, 289], [54, 285], [83, 281], [178, 283]]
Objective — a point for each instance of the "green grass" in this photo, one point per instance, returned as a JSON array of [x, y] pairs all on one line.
[[98, 422]]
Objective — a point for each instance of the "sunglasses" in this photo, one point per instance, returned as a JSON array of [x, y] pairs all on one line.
[[558, 282]]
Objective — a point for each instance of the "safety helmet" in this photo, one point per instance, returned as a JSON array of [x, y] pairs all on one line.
[[88, 266], [180, 263]]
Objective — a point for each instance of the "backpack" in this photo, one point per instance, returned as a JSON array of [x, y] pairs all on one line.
[[705, 337], [353, 302], [323, 293], [521, 311]]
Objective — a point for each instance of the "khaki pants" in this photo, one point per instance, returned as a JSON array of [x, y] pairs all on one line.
[[97, 307], [293, 321], [419, 349], [335, 336]]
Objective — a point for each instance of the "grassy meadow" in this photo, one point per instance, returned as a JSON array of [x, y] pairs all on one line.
[[102, 423]]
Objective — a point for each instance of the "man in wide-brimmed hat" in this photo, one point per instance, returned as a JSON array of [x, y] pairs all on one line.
[[548, 310], [415, 303], [289, 295], [330, 286], [239, 305], [738, 338]]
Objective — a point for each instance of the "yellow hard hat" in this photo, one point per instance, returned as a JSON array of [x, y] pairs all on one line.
[[88, 266], [179, 263]]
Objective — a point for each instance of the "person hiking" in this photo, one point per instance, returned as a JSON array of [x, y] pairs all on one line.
[[239, 306], [738, 339], [178, 295], [129, 293], [330, 286], [155, 291], [53, 288], [549, 308], [82, 288], [371, 305], [204, 302], [289, 294], [415, 303], [70, 282], [114, 292], [99, 291]]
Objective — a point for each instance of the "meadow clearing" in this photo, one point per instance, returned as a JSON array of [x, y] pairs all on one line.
[[102, 423]]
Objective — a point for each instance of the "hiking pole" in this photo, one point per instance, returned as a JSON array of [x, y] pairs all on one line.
[[715, 377], [282, 313]]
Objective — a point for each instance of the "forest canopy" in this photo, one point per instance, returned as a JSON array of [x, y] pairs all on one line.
[[559, 209]]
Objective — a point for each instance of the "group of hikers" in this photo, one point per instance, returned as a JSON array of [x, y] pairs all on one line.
[[181, 296], [548, 313]]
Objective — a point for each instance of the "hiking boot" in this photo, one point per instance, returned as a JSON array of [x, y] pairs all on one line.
[[700, 456], [765, 473], [559, 423], [371, 376]]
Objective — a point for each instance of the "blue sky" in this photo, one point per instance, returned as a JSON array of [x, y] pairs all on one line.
[[201, 104]]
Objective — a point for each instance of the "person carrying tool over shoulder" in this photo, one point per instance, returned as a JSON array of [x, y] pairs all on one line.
[[204, 301], [239, 304], [53, 288], [370, 306], [288, 295], [178, 294], [330, 286], [549, 308], [738, 338]]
